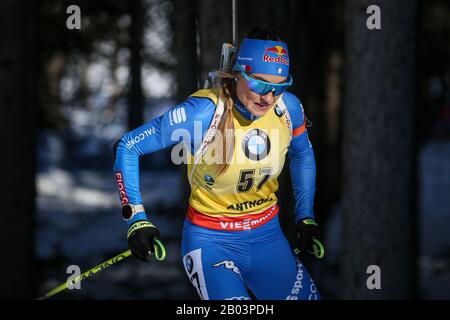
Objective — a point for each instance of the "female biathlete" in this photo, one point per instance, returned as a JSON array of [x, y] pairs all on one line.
[[236, 136]]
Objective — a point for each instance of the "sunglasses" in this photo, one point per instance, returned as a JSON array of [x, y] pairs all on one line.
[[262, 87]]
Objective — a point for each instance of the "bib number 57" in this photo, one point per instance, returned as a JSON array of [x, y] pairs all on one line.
[[247, 179]]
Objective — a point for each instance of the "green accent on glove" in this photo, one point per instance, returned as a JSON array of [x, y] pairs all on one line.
[[139, 225], [309, 221]]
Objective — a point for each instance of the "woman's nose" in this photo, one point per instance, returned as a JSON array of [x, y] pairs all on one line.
[[268, 97]]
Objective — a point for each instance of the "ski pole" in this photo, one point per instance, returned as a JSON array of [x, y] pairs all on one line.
[[160, 254]]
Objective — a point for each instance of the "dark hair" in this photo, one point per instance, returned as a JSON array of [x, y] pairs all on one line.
[[227, 90], [263, 33]]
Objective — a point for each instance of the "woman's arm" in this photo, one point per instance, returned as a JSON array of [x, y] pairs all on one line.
[[303, 174], [302, 163], [153, 136]]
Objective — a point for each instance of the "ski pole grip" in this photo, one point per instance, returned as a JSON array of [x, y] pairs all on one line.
[[160, 251], [318, 249]]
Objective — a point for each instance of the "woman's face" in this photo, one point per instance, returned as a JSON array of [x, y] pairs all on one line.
[[258, 105]]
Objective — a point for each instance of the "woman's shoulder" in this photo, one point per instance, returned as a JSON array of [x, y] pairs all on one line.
[[201, 104], [209, 94], [295, 108]]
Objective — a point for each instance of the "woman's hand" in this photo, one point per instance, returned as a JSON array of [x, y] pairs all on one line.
[[310, 238], [141, 235]]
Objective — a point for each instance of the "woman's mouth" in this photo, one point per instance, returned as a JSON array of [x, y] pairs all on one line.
[[262, 106]]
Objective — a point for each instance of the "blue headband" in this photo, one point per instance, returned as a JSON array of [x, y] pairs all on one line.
[[264, 56]]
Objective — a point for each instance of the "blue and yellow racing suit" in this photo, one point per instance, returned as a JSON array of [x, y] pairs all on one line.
[[232, 240]]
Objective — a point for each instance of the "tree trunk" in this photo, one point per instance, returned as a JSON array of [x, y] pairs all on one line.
[[186, 47], [17, 110], [135, 98], [377, 158], [185, 33], [215, 28], [51, 103]]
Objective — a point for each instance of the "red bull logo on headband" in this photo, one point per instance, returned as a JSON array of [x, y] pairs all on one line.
[[279, 50], [264, 56], [279, 53]]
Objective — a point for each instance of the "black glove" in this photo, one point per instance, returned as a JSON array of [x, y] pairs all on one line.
[[140, 239], [310, 238]]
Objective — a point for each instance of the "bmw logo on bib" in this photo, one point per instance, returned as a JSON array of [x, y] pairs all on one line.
[[278, 111], [256, 144]]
